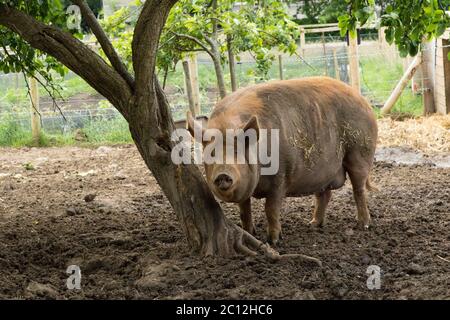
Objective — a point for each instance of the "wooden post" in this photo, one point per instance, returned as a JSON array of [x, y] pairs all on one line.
[[189, 91], [232, 64], [280, 66], [401, 85], [354, 63], [442, 75], [193, 72], [428, 56], [337, 73], [325, 53], [35, 118], [303, 42], [445, 106]]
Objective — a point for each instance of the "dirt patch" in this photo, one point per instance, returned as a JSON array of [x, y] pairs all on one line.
[[129, 244]]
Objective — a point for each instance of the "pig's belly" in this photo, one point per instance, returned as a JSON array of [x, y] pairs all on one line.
[[317, 181]]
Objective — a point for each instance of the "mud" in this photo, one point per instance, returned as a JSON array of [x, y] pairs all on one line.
[[409, 156], [129, 244]]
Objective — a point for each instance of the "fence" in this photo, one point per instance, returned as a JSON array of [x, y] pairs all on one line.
[[373, 67]]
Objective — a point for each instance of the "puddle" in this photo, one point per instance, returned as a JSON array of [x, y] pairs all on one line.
[[408, 156]]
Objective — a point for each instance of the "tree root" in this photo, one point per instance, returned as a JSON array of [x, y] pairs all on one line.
[[245, 242]]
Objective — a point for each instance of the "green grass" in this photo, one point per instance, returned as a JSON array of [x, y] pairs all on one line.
[[378, 78], [17, 98], [108, 131], [74, 85], [99, 132]]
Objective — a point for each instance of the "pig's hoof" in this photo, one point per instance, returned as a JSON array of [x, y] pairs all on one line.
[[363, 225], [274, 240], [316, 224]]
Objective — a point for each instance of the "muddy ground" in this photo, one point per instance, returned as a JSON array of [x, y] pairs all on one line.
[[129, 244]]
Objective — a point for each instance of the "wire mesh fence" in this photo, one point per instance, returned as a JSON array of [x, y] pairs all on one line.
[[380, 70]]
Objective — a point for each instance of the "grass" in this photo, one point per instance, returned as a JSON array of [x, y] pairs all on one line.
[[98, 132], [378, 78]]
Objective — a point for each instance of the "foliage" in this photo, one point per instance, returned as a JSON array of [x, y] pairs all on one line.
[[119, 27], [254, 26], [321, 11], [407, 22], [17, 56]]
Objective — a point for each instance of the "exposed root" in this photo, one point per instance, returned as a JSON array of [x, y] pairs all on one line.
[[271, 253], [443, 259], [232, 240]]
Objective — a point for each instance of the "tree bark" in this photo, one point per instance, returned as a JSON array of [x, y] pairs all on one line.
[[219, 74], [215, 56], [232, 64]]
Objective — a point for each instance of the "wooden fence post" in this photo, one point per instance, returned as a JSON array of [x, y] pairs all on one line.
[[280, 66], [442, 75], [303, 42], [35, 117], [353, 57], [324, 53], [401, 85], [337, 73], [193, 70], [428, 56], [189, 91]]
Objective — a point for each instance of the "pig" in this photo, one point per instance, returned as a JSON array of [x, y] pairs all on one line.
[[327, 131]]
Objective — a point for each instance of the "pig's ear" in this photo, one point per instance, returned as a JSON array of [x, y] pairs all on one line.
[[194, 126], [252, 124]]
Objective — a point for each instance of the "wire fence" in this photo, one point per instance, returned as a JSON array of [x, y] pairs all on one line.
[[380, 70]]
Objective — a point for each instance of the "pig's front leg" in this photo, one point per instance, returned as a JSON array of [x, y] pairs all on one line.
[[273, 208], [245, 209]]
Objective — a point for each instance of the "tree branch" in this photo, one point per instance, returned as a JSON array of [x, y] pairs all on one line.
[[71, 52], [145, 43], [102, 38], [194, 39]]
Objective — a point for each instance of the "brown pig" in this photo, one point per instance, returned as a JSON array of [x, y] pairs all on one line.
[[327, 131]]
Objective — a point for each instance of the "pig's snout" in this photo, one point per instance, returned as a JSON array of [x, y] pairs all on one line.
[[223, 182]]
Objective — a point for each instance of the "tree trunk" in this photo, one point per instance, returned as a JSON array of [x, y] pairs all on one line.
[[219, 72], [232, 64], [207, 230]]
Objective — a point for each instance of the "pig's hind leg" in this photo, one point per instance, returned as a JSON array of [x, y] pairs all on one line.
[[358, 169], [273, 208]]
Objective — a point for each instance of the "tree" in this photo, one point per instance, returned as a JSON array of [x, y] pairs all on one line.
[[408, 23], [220, 26], [215, 27]]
